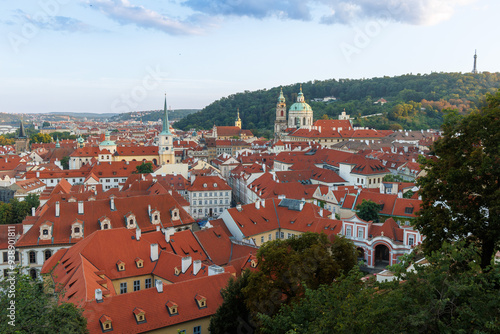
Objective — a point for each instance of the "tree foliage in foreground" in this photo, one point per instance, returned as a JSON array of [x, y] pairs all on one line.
[[285, 268], [36, 311], [451, 295], [233, 315], [461, 191]]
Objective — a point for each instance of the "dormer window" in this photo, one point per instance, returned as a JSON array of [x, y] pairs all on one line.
[[177, 271], [106, 323], [174, 213], [155, 217], [140, 315], [120, 265], [105, 223], [201, 301], [172, 308], [204, 185], [139, 262], [253, 263], [131, 221], [215, 185], [45, 231], [72, 199], [77, 229]]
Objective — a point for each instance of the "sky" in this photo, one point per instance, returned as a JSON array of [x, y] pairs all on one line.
[[111, 56]]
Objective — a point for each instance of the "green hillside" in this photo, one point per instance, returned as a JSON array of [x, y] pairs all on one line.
[[413, 101], [153, 115]]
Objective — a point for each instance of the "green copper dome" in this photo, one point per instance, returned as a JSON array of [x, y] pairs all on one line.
[[300, 105]]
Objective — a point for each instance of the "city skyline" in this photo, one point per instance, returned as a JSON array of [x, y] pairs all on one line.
[[107, 56]]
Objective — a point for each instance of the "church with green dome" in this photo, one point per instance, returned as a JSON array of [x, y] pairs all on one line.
[[300, 115]]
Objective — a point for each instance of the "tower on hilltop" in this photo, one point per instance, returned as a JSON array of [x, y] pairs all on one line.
[[474, 69], [166, 144], [280, 123]]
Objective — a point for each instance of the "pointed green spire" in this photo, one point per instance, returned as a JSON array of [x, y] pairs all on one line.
[[281, 99], [166, 124], [57, 143]]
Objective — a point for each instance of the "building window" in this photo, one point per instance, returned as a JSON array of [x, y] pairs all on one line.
[[360, 233], [411, 240], [262, 239], [409, 210], [123, 287], [137, 285], [147, 283], [269, 237], [197, 330], [348, 231], [32, 257], [194, 194], [282, 235], [48, 254]]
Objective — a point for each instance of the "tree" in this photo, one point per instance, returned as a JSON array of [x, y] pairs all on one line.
[[286, 267], [40, 138], [450, 294], [36, 311], [65, 162], [45, 124], [461, 193], [368, 210], [6, 141], [144, 168], [233, 315]]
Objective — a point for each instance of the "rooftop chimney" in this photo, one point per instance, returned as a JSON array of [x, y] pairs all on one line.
[[80, 207], [98, 295], [263, 203], [57, 209], [186, 263], [168, 233], [257, 205], [159, 286], [112, 203], [33, 211], [149, 210], [238, 207], [154, 252], [321, 212], [400, 194], [196, 266], [138, 234]]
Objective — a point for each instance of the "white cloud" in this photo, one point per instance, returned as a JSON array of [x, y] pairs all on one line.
[[123, 12]]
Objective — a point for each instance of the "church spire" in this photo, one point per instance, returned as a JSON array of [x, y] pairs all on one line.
[[281, 98], [238, 120], [166, 124], [300, 97], [22, 132]]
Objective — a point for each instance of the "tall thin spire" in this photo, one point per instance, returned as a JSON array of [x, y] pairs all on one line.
[[474, 69], [22, 132], [166, 124]]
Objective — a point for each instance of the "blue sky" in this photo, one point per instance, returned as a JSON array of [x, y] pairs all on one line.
[[123, 55]]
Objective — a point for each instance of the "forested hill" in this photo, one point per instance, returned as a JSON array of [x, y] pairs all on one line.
[[413, 101]]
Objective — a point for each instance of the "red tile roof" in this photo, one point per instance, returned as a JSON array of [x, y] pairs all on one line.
[[97, 210], [208, 183], [120, 308]]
